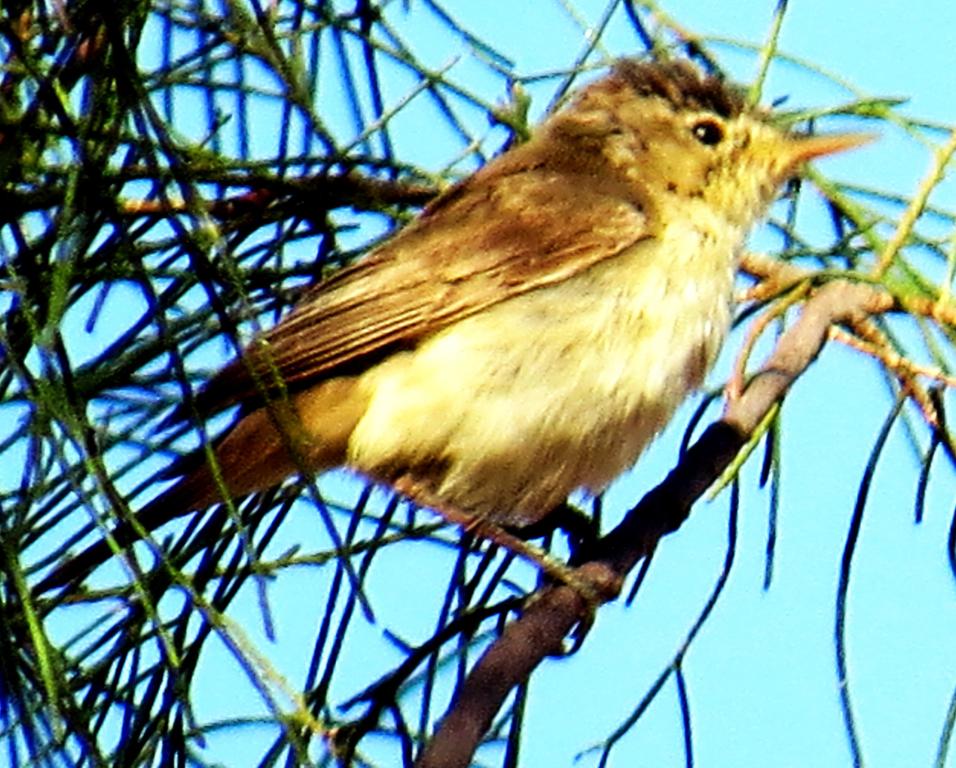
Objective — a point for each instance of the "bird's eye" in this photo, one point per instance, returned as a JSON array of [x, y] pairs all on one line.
[[708, 131]]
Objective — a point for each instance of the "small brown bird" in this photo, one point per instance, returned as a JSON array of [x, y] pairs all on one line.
[[532, 330]]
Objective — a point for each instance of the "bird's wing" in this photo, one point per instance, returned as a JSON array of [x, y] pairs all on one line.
[[509, 229]]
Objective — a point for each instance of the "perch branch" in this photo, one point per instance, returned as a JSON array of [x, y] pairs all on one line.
[[555, 610]]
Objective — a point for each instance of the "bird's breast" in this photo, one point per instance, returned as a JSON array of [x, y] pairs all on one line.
[[506, 412]]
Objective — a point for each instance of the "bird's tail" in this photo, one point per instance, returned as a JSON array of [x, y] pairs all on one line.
[[265, 447], [185, 496]]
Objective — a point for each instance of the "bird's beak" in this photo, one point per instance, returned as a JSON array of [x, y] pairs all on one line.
[[802, 149]]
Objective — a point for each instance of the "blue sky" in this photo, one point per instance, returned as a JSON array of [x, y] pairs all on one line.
[[761, 676]]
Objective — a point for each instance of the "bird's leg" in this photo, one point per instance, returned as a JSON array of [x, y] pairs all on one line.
[[552, 567], [577, 525]]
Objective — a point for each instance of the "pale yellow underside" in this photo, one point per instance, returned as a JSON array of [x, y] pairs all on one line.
[[503, 414]]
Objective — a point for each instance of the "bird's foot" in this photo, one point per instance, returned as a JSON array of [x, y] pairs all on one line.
[[593, 591]]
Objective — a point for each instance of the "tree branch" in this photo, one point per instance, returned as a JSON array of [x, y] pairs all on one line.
[[555, 610]]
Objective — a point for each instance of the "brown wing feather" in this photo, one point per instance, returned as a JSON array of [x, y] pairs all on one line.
[[520, 223]]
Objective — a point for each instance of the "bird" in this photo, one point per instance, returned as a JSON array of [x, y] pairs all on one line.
[[530, 331]]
